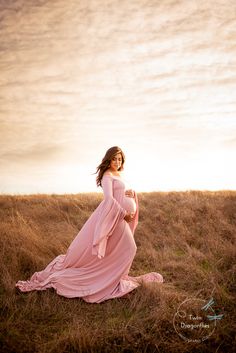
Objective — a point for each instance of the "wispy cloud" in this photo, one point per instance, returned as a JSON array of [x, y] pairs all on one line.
[[78, 77]]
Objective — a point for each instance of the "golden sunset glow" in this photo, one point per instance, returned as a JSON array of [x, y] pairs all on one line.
[[158, 79]]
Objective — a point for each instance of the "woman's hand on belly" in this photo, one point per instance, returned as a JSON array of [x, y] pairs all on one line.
[[129, 193]]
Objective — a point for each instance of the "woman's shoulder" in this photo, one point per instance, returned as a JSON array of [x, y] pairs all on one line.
[[111, 175], [107, 173]]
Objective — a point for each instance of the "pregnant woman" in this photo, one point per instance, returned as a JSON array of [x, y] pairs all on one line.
[[97, 263]]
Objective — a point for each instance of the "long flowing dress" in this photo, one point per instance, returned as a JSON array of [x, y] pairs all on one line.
[[97, 263]]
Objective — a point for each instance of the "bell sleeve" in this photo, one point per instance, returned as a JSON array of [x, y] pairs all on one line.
[[110, 214]]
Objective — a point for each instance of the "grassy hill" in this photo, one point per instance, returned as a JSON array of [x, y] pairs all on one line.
[[188, 237]]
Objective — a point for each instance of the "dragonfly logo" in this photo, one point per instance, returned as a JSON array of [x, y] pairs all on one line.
[[195, 319]]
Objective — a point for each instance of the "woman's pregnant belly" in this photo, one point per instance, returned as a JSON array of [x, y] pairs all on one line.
[[129, 204]]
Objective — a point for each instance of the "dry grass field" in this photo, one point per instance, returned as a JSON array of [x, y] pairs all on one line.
[[189, 237]]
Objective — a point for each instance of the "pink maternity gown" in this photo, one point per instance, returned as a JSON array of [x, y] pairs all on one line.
[[97, 263]]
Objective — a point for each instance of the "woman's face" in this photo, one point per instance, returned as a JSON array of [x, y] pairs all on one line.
[[116, 162]]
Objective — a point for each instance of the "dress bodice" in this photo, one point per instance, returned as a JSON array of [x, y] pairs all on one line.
[[119, 188]]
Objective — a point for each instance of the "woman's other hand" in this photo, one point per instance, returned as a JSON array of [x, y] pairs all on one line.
[[129, 217], [129, 193]]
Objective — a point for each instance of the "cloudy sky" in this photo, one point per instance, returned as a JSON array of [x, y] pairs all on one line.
[[157, 78]]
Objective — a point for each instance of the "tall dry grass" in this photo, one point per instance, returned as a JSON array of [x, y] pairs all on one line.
[[189, 237]]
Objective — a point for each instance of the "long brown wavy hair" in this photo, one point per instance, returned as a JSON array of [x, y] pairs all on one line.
[[105, 164]]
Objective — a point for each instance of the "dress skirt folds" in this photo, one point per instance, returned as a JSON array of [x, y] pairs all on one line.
[[97, 263]]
